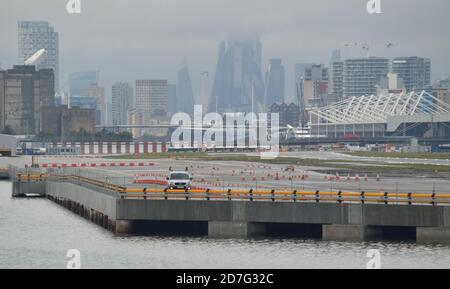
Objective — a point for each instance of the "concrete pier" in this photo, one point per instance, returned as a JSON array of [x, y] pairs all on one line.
[[235, 229], [28, 189], [350, 233], [123, 227], [241, 219], [433, 235]]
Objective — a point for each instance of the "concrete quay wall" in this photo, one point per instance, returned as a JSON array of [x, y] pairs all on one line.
[[340, 222]]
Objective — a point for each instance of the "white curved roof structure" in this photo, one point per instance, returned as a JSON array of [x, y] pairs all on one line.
[[35, 58], [377, 109]]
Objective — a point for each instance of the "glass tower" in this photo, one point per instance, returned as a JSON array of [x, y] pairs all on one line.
[[36, 35]]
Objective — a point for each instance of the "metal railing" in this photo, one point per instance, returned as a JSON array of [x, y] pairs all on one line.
[[288, 196], [25, 174], [24, 177], [118, 188]]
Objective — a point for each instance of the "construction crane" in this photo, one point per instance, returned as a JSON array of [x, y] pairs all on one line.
[[36, 57], [365, 46]]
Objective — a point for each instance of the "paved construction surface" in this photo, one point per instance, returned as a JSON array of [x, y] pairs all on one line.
[[345, 157], [241, 175]]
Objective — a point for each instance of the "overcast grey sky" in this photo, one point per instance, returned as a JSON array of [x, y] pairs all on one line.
[[136, 39]]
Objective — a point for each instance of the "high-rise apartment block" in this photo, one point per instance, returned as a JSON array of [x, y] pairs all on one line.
[[122, 102], [314, 85], [362, 76], [337, 79], [34, 36], [415, 72], [152, 96]]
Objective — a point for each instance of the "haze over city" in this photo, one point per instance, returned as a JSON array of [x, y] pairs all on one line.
[[224, 134], [134, 39]]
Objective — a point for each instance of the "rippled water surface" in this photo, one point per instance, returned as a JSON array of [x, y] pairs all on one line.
[[36, 233]]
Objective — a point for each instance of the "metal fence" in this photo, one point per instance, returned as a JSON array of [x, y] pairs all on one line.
[[120, 187]]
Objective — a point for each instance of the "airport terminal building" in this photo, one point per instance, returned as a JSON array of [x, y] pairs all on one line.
[[420, 115]]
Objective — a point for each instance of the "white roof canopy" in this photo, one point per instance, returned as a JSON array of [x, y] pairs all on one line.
[[377, 108]]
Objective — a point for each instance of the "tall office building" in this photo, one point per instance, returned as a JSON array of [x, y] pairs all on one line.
[[335, 56], [98, 93], [122, 102], [34, 36], [172, 99], [23, 92], [152, 96], [314, 85], [337, 79], [316, 72], [79, 81], [299, 70], [362, 76], [185, 95], [238, 83], [415, 72], [275, 83]]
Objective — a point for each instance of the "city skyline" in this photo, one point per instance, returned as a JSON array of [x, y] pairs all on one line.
[[80, 49], [218, 134]]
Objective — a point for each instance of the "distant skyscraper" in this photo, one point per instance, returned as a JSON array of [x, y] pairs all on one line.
[[335, 56], [122, 102], [185, 95], [299, 70], [172, 100], [316, 72], [98, 93], [34, 36], [238, 81], [152, 96], [362, 76], [314, 85], [415, 72], [337, 79], [275, 83], [79, 81]]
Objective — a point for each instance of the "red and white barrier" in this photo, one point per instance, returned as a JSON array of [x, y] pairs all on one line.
[[76, 165], [113, 148]]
